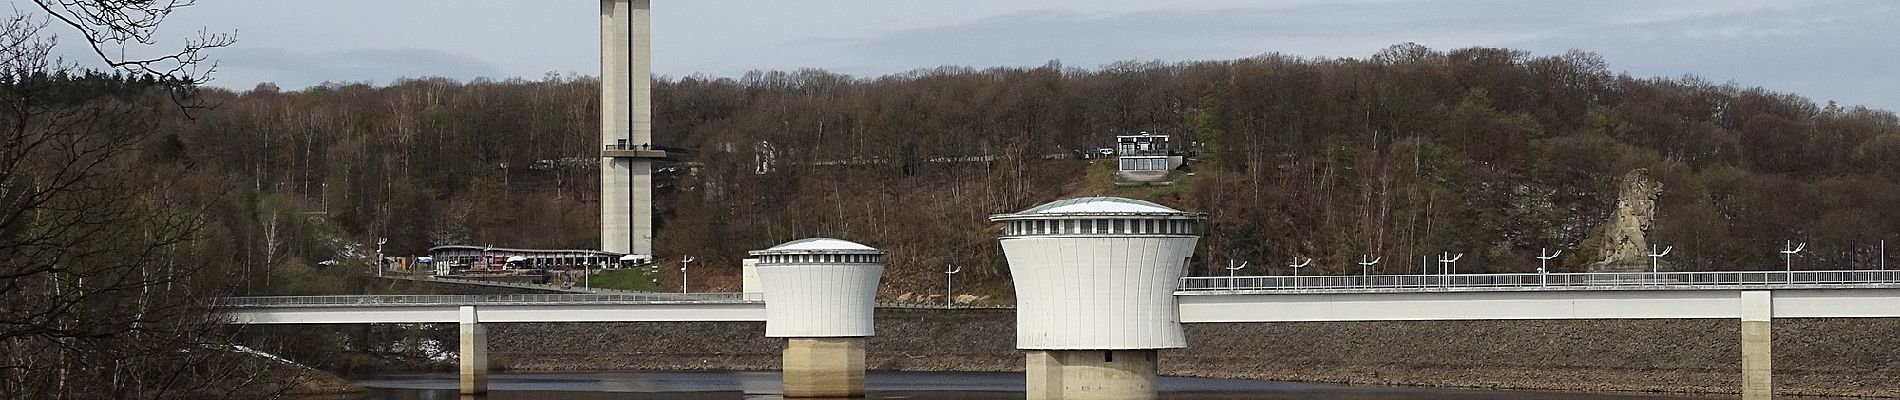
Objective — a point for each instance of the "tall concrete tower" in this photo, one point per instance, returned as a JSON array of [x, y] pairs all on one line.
[[1095, 280], [820, 295], [626, 126]]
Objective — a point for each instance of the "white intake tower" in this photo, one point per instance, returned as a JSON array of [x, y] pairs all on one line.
[[1095, 280], [820, 294]]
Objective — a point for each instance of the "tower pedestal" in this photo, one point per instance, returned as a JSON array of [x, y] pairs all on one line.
[[1090, 375], [824, 367]]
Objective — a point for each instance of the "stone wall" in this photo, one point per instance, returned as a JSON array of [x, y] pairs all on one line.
[[1817, 357]]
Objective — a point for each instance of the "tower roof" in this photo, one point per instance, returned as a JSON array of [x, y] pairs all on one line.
[[819, 245], [1097, 206]]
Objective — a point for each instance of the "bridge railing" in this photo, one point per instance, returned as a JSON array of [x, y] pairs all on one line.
[[1551, 281], [427, 300]]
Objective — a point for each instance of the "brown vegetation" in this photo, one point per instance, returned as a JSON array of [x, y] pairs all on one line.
[[1410, 152]]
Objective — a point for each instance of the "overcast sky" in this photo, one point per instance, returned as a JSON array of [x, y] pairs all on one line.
[[1826, 50]]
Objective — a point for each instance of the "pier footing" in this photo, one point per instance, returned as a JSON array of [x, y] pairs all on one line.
[[1091, 375], [824, 367]]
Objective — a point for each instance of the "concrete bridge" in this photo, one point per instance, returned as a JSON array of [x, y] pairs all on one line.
[[471, 311], [1667, 295], [1755, 297]]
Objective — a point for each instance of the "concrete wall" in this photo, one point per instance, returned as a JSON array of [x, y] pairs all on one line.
[[1819, 357]]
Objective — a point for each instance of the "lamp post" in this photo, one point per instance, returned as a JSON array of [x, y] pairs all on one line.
[[379, 255], [1655, 262], [948, 273], [684, 261], [1543, 267], [1448, 265], [1787, 253], [1365, 269], [1230, 272], [1296, 265]]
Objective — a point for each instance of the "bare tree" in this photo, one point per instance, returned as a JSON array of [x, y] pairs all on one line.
[[112, 26], [103, 272]]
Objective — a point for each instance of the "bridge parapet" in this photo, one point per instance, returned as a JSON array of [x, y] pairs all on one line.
[[1722, 280], [493, 299]]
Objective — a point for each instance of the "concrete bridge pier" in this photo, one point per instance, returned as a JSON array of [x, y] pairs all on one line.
[[474, 353], [824, 367], [1757, 345], [1091, 374]]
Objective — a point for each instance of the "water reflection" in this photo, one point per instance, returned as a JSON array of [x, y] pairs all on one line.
[[888, 385]]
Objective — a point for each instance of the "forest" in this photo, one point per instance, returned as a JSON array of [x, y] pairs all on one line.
[[1410, 152], [1495, 153]]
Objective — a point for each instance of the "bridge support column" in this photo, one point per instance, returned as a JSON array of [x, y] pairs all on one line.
[[474, 353], [1091, 374], [1757, 346], [824, 367]]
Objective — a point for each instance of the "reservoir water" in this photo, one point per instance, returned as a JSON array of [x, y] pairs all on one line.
[[895, 385]]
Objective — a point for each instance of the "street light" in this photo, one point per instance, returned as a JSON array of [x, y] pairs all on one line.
[[1788, 253], [1543, 266], [1655, 261], [684, 261], [1365, 268], [949, 271], [1230, 272], [1296, 265], [1448, 265], [379, 255]]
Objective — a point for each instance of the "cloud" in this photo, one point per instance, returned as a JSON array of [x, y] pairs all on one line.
[[239, 68]]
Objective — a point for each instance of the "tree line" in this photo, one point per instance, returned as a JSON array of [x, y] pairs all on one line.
[[1410, 152]]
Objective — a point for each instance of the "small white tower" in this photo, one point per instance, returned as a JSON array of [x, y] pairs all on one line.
[[1095, 280], [820, 294]]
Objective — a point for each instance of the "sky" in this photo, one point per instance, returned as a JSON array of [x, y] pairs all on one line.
[[1843, 51]]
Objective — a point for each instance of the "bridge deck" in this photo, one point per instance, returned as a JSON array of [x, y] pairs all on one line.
[[642, 307], [1730, 280]]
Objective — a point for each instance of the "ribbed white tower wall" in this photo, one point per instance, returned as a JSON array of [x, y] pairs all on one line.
[[820, 294], [1095, 280], [819, 300], [1097, 293]]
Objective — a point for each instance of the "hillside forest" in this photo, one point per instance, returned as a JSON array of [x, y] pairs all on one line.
[[1409, 152]]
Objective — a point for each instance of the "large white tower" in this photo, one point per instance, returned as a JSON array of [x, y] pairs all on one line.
[[626, 126], [1095, 280], [820, 295]]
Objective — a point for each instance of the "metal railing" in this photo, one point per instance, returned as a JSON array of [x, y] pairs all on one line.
[[941, 306], [1551, 281], [491, 299]]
